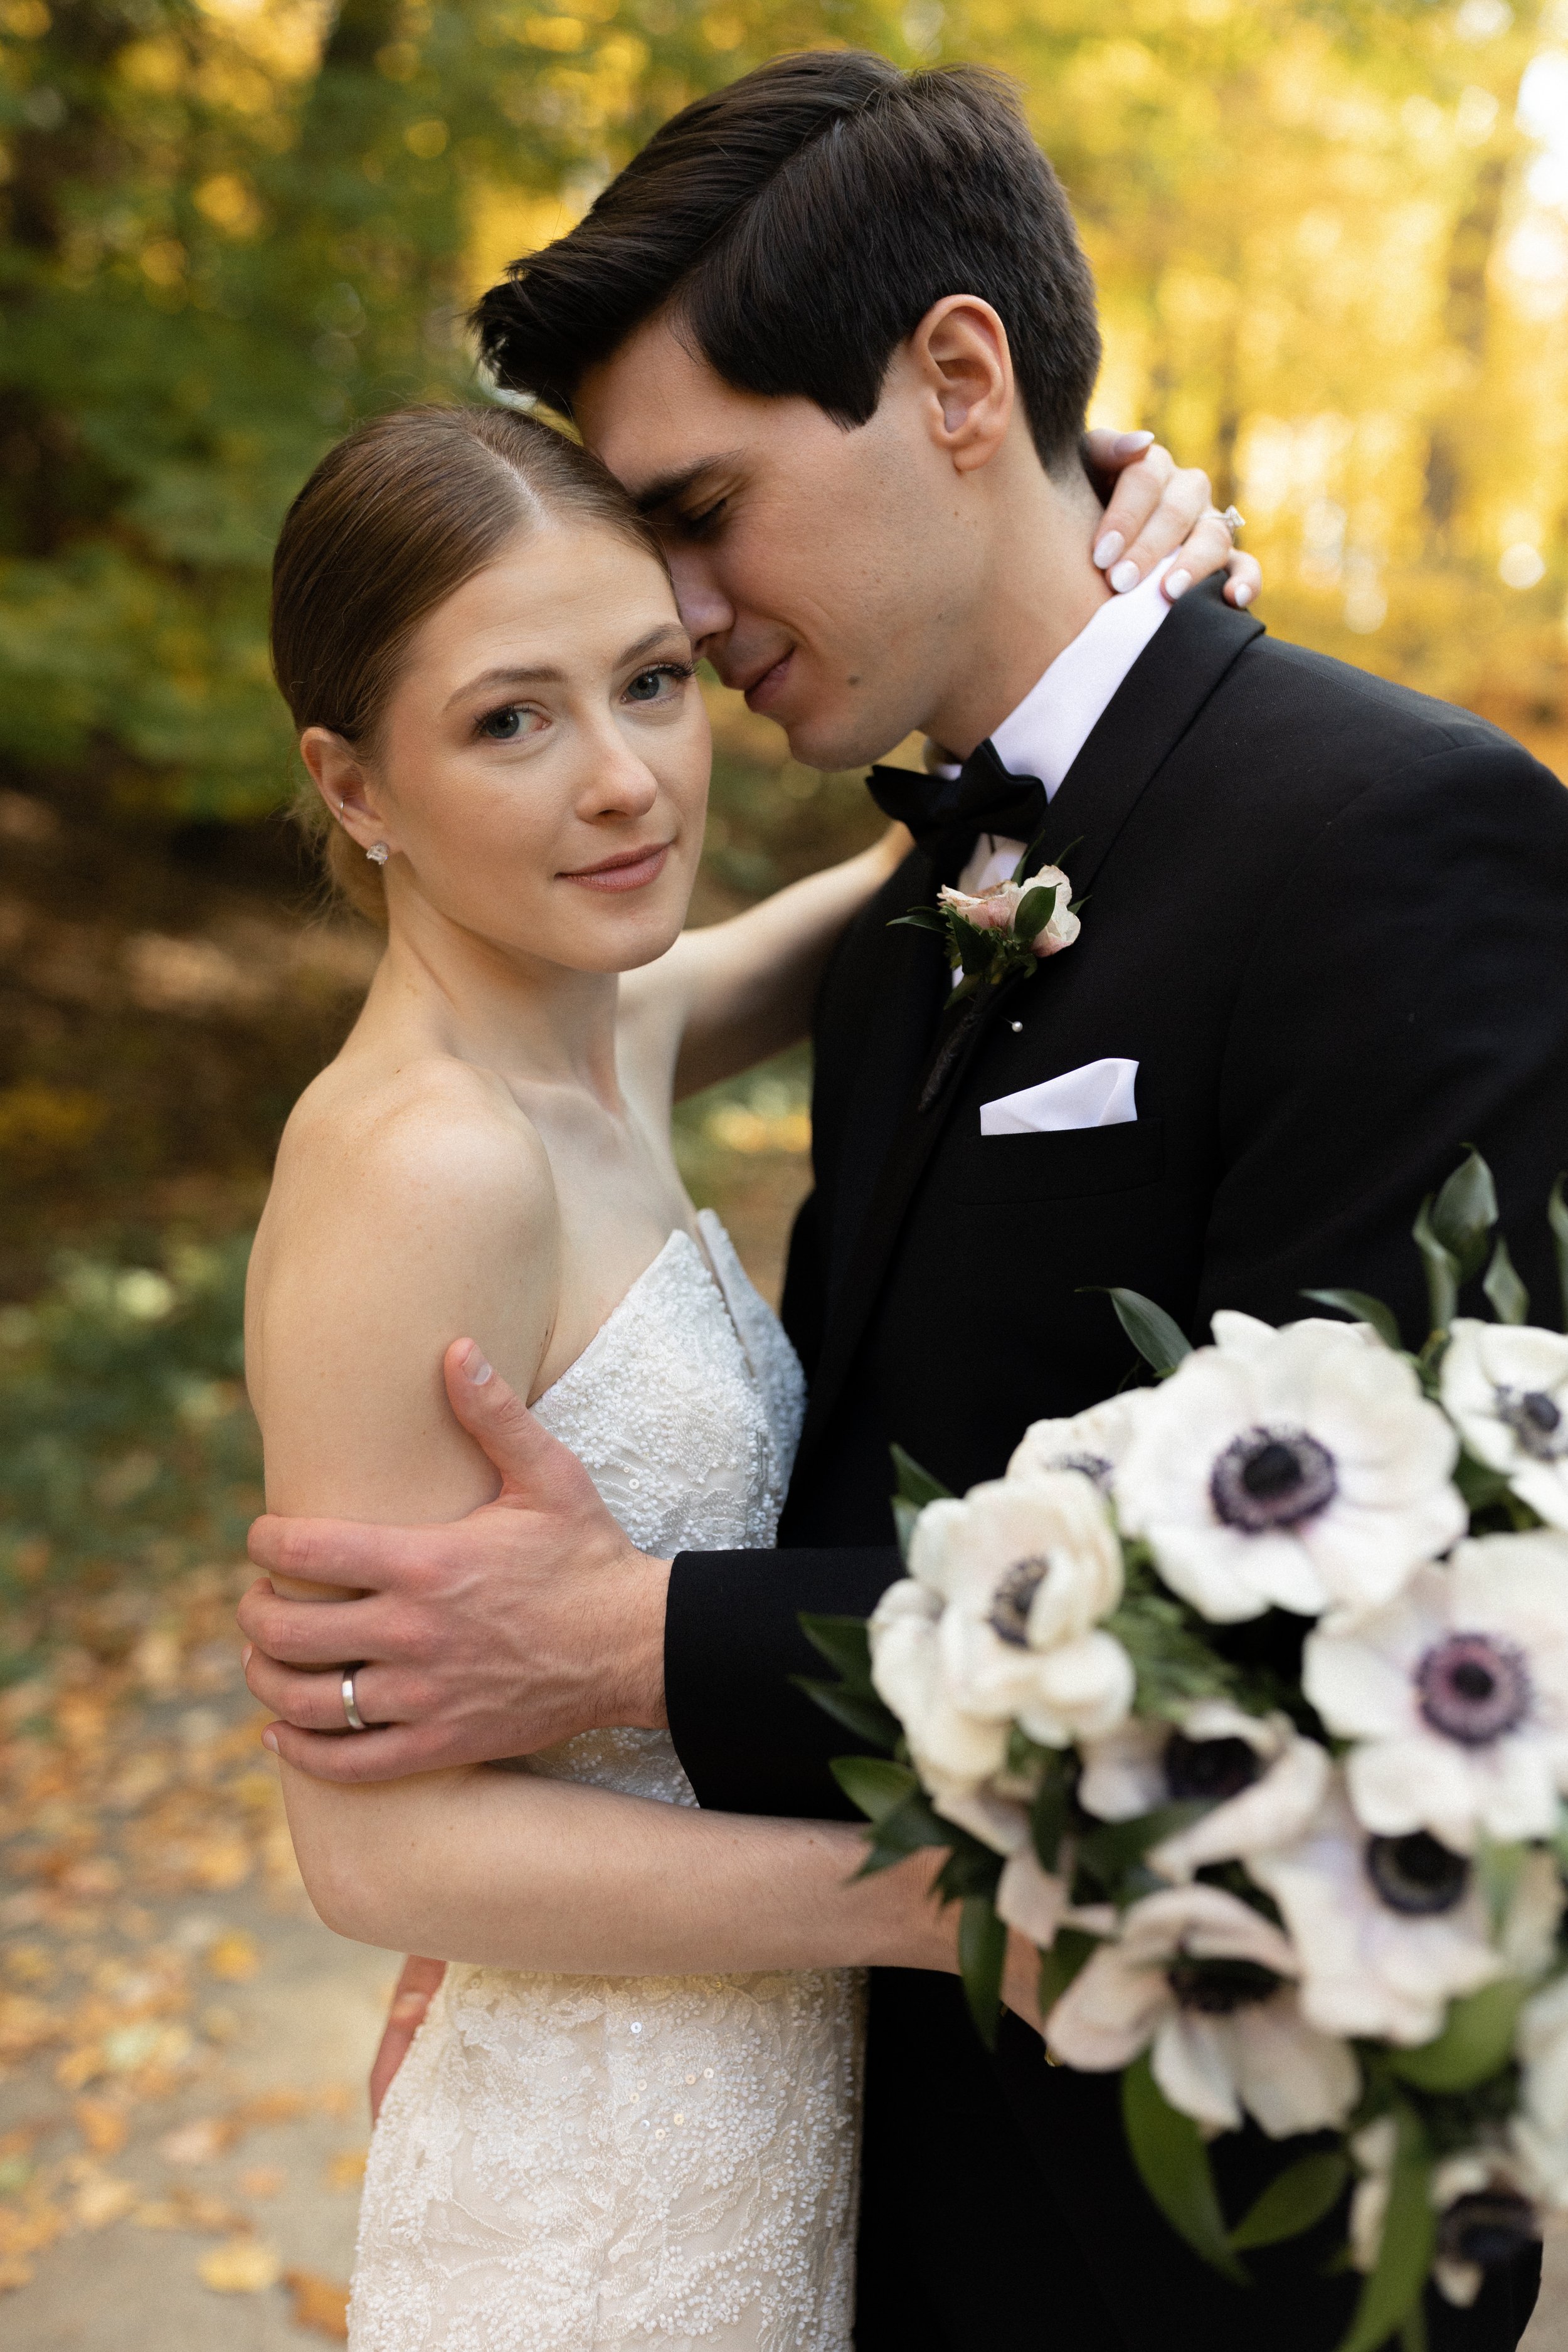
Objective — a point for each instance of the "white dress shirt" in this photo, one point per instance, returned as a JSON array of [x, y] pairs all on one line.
[[1050, 728]]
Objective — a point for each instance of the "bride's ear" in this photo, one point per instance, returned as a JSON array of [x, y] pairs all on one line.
[[340, 776]]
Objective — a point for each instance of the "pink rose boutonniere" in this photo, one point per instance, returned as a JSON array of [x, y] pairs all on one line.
[[1006, 929]]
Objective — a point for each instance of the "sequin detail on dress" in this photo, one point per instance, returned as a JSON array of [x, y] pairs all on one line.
[[571, 2164]]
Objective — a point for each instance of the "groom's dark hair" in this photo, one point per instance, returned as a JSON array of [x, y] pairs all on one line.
[[799, 224]]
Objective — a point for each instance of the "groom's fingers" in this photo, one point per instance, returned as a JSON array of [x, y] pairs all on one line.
[[360, 1757], [314, 1702], [537, 1470]]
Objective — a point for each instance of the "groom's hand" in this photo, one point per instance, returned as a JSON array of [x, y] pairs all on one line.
[[534, 1618]]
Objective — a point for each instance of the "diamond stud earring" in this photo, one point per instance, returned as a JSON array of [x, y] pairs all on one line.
[[378, 853]]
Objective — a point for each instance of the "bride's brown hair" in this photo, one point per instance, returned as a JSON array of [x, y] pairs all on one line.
[[392, 521]]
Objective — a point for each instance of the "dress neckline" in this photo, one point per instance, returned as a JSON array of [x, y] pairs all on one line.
[[628, 1295]]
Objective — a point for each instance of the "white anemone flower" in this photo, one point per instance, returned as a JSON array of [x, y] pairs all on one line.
[[1456, 1693], [1036, 1900], [1094, 1441], [1505, 1385], [1540, 2129], [1207, 1980], [1298, 1469], [1488, 2215], [1389, 1930], [1267, 1779]]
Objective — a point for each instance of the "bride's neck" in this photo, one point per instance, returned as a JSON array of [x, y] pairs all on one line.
[[532, 1022]]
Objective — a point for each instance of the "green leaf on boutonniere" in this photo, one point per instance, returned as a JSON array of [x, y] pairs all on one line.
[[1174, 2163], [1295, 2200], [920, 918], [1034, 912]]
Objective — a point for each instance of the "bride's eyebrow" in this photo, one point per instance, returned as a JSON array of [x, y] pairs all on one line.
[[547, 673]]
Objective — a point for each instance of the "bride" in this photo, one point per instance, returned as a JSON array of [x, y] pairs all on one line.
[[630, 2119]]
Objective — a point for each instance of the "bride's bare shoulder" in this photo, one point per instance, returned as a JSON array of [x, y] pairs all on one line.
[[426, 1124]]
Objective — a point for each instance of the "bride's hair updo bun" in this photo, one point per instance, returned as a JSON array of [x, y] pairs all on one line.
[[392, 522]]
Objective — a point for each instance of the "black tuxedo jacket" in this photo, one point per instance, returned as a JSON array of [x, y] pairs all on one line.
[[1329, 919]]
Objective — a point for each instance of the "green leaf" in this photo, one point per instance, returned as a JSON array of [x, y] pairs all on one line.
[[868, 1718], [1295, 2200], [844, 1643], [1072, 1950], [874, 1783], [1173, 2164], [1409, 2231], [1413, 2334], [1048, 1815], [1478, 1483], [920, 918], [1509, 1299], [1108, 1853], [1464, 1215], [1161, 1342], [1474, 2045], [1362, 1308], [1442, 1271], [981, 1952], [1035, 912], [906, 1516], [917, 1486], [1557, 1218]]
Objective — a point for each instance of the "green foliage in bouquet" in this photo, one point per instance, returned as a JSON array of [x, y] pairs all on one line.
[[1315, 1877]]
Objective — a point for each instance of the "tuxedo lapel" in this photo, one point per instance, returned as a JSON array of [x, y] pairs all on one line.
[[1151, 711]]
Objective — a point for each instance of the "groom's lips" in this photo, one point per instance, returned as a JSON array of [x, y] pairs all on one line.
[[765, 691], [630, 870]]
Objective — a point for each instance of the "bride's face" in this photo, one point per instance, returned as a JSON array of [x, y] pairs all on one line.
[[540, 773]]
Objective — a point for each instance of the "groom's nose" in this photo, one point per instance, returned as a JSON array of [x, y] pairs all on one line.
[[706, 611]]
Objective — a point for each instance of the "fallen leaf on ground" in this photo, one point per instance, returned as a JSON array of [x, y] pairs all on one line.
[[319, 2304], [16, 2272], [99, 2202], [262, 2181], [103, 2124], [346, 2169], [196, 2142], [242, 2266], [233, 1957]]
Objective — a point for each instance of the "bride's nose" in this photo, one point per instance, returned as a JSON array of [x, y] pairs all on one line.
[[615, 781]]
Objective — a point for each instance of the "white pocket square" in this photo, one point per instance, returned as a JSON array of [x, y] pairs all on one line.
[[1100, 1094]]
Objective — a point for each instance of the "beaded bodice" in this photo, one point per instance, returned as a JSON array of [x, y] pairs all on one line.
[[575, 2164]]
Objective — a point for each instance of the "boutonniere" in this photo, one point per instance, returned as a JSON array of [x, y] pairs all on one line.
[[1006, 929]]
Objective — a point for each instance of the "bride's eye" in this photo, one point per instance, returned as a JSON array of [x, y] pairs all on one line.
[[660, 684], [509, 724]]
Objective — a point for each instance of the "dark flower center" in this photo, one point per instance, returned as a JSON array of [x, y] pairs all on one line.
[[1219, 1987], [1209, 1768], [1093, 1465], [1473, 1688], [1488, 2228], [1536, 1419], [1272, 1478], [1009, 1613], [1415, 1874]]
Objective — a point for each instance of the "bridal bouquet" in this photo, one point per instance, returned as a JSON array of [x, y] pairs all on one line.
[[1314, 1875]]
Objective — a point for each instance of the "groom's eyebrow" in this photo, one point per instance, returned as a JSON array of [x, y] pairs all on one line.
[[667, 489]]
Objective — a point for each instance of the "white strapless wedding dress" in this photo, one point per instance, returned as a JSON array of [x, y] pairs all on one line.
[[566, 2164]]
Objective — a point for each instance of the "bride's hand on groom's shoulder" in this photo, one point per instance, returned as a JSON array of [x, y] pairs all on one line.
[[490, 1636], [1154, 508]]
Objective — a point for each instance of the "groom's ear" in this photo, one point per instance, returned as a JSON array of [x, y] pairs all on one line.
[[961, 353]]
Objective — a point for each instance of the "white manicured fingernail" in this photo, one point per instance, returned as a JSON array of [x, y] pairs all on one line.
[[1125, 576], [476, 1368], [1110, 548], [1244, 594], [1129, 443], [1178, 584], [269, 1740]]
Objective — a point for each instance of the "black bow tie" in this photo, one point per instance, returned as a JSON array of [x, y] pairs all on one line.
[[981, 798]]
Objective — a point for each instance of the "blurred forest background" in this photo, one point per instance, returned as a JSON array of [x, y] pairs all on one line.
[[1331, 240]]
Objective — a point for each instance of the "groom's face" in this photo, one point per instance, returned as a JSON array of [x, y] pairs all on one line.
[[828, 574]]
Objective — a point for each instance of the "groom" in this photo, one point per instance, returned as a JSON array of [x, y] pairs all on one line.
[[834, 329]]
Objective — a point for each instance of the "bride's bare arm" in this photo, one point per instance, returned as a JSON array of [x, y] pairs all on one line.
[[519, 1871], [731, 993]]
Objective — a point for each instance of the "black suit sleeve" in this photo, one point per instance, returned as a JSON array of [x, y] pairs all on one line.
[[1408, 995], [751, 1742]]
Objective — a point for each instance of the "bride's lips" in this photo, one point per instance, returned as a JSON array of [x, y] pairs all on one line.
[[632, 869]]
